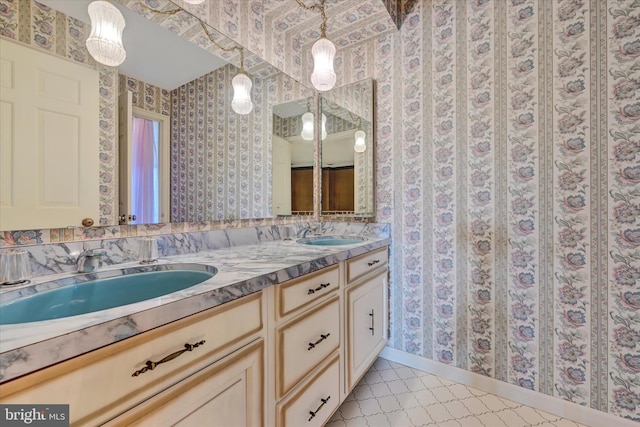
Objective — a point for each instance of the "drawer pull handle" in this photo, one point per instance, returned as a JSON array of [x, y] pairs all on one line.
[[319, 288], [372, 328], [150, 366], [313, 413], [374, 262], [322, 338]]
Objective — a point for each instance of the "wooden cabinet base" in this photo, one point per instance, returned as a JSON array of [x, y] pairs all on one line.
[[227, 393]]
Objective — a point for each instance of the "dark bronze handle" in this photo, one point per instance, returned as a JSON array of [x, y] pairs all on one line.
[[150, 366], [371, 328], [322, 338], [319, 288], [374, 262], [313, 413]]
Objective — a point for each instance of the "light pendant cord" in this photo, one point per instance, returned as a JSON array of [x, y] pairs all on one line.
[[317, 6], [161, 12]]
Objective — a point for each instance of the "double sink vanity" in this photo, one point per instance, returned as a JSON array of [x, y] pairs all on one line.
[[272, 332]]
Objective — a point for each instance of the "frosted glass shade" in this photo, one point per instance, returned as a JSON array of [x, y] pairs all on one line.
[[194, 1], [323, 76], [105, 41], [241, 102], [360, 146], [307, 126], [324, 127]]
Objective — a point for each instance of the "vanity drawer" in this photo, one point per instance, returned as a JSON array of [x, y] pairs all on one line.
[[300, 292], [320, 396], [304, 342], [359, 266], [101, 384]]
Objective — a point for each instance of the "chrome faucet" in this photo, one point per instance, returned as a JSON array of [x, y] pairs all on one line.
[[313, 230], [89, 260]]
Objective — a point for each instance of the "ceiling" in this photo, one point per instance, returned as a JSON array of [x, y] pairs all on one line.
[[348, 21], [287, 34], [147, 44]]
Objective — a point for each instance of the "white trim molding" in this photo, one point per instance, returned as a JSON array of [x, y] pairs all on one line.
[[580, 414]]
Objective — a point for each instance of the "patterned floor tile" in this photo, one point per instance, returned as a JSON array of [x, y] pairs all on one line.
[[393, 395]]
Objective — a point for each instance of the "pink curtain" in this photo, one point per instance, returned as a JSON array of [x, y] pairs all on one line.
[[144, 196]]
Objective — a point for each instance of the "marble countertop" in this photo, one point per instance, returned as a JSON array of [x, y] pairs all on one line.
[[242, 270]]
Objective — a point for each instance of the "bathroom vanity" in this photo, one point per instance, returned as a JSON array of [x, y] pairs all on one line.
[[282, 343]]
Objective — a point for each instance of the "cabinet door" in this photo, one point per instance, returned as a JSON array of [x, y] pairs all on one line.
[[366, 325], [227, 393]]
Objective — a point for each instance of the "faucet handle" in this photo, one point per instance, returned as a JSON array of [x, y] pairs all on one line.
[[98, 252]]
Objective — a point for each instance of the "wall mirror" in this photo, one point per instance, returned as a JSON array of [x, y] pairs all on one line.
[[293, 153], [347, 150], [220, 162]]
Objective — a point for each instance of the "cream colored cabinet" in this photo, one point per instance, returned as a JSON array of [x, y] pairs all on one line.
[[366, 313], [104, 383], [227, 393], [307, 355], [315, 400], [285, 356]]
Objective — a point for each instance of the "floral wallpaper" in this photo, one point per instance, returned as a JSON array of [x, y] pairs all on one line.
[[32, 23], [512, 146], [220, 160], [146, 96], [507, 163], [282, 33], [292, 126]]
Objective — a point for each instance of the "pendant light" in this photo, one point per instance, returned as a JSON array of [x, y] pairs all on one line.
[[307, 125], [242, 84], [105, 41], [241, 102], [360, 146], [323, 51]]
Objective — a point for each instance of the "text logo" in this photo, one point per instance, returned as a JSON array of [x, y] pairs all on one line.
[[34, 415]]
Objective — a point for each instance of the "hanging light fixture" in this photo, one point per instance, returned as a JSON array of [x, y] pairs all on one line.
[[323, 51], [360, 146], [307, 125], [242, 84], [194, 1], [241, 102], [105, 41]]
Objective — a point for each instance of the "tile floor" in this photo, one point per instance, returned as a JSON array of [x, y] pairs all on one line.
[[395, 395]]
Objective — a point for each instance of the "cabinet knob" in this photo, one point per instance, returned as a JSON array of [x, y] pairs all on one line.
[[87, 222]]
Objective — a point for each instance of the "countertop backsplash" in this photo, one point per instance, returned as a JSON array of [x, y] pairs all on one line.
[[54, 258]]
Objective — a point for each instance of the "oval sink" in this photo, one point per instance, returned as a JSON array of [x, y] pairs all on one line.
[[331, 240], [89, 293]]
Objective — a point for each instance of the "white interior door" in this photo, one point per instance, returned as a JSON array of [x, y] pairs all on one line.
[[49, 140]]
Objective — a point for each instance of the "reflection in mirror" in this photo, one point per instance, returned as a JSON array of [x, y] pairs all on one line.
[[347, 151], [293, 137], [220, 162]]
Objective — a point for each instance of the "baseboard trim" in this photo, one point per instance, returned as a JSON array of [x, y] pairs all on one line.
[[581, 414]]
